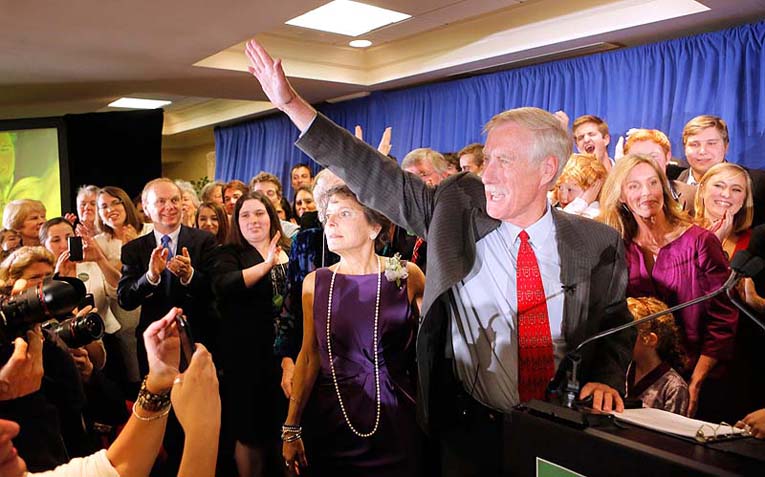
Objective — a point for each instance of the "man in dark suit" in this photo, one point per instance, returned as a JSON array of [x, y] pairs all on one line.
[[706, 141], [475, 331], [157, 277]]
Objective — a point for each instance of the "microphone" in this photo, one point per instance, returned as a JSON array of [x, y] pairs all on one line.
[[565, 383], [747, 265]]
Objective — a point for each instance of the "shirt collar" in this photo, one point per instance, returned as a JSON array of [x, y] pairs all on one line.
[[173, 236], [539, 232]]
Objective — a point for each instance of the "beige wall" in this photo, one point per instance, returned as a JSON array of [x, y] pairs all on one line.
[[191, 163]]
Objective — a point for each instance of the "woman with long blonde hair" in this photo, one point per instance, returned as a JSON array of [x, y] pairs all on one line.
[[672, 259]]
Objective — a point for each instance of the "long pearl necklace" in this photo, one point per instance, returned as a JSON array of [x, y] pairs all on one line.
[[377, 364]]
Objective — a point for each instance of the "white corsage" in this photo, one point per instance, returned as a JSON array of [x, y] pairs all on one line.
[[395, 269]]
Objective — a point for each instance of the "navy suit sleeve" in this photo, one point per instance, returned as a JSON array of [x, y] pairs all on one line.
[[133, 286]]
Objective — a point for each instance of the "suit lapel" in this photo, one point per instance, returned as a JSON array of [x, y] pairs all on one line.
[[574, 271]]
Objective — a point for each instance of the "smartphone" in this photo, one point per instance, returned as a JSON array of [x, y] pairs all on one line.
[[75, 249], [187, 341]]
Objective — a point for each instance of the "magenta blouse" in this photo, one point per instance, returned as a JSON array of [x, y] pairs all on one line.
[[691, 266]]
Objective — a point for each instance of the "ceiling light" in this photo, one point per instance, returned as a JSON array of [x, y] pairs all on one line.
[[360, 43], [347, 18], [138, 103]]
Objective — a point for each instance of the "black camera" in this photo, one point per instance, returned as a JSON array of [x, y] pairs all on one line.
[[77, 332], [54, 298]]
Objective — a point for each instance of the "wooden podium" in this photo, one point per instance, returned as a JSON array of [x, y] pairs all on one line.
[[539, 444]]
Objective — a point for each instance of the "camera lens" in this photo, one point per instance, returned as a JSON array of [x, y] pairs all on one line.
[[78, 332]]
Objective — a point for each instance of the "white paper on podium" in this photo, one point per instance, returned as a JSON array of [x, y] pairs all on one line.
[[670, 423]]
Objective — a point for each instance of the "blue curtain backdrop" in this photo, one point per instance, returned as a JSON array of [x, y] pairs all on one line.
[[659, 86]]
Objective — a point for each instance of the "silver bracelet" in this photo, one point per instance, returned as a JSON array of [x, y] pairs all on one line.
[[162, 414]]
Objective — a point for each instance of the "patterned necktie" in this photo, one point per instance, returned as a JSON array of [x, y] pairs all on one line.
[[535, 352], [166, 245]]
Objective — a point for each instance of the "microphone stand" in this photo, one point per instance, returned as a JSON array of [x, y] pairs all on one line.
[[569, 392]]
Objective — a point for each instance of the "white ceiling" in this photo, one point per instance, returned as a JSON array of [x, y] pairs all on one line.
[[78, 56]]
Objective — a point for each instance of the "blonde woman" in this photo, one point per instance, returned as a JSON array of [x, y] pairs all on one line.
[[675, 261], [578, 186], [25, 216]]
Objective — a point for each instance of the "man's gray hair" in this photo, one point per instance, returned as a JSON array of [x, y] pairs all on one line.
[[550, 138], [416, 156]]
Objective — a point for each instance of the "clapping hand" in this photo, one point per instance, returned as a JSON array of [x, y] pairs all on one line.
[[157, 262], [723, 226], [180, 265], [274, 250]]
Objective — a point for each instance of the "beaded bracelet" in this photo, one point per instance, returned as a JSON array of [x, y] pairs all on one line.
[[150, 401]]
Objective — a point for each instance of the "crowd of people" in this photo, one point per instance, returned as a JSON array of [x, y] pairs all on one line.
[[329, 324]]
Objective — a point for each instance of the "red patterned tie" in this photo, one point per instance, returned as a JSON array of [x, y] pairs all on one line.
[[535, 352], [416, 250]]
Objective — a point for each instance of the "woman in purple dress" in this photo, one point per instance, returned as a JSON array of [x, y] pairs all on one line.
[[355, 372], [675, 261]]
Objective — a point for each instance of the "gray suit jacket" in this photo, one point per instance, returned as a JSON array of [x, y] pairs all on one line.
[[452, 218]]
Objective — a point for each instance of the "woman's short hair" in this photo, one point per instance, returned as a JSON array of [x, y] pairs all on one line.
[[131, 213], [86, 189], [206, 195], [372, 216], [220, 213], [742, 221], [50, 223], [17, 211], [187, 188], [235, 236], [615, 213], [14, 266]]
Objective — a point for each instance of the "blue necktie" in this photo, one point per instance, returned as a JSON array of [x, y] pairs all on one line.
[[166, 245], [166, 275]]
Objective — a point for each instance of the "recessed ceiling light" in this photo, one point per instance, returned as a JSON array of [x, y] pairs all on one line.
[[360, 43], [347, 18], [138, 103]]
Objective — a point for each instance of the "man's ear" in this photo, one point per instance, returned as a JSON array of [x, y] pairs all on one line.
[[607, 139], [549, 171]]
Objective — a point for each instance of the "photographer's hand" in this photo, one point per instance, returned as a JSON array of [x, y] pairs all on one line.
[[83, 363], [23, 372]]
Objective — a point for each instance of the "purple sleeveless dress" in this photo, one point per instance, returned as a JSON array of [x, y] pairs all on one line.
[[394, 450]]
